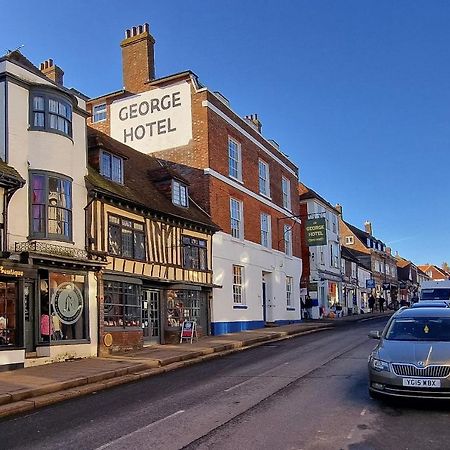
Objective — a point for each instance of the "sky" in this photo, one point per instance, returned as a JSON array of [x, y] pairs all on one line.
[[356, 92]]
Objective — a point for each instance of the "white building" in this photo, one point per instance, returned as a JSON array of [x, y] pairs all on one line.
[[321, 278], [47, 284]]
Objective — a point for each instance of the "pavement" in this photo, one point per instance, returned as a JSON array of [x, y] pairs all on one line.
[[30, 388]]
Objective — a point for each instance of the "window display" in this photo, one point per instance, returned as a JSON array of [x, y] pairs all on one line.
[[122, 305], [8, 314]]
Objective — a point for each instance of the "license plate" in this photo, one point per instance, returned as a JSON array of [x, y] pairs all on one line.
[[421, 382]]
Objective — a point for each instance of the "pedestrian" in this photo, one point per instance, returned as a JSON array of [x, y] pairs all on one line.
[[371, 302], [381, 302]]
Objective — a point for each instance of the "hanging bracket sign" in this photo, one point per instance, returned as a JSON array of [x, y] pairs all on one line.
[[188, 330], [316, 232]]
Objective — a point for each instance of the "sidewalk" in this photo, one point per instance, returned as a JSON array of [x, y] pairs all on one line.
[[33, 387]]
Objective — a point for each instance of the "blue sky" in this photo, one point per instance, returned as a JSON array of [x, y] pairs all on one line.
[[356, 92]]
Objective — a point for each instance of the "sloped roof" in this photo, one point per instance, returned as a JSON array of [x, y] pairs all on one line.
[[9, 176], [139, 185], [306, 193], [402, 262]]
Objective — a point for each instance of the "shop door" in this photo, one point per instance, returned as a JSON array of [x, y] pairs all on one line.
[[151, 316], [29, 313], [264, 298]]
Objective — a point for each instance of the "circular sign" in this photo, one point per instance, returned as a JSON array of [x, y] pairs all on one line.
[[108, 339], [68, 303]]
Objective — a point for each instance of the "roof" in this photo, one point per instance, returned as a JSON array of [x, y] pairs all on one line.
[[423, 312], [402, 262], [139, 186], [363, 259], [9, 176], [426, 267], [17, 57], [346, 253], [306, 193]]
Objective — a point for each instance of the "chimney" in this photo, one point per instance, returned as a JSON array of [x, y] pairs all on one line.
[[389, 250], [52, 71], [339, 208], [138, 58], [368, 227], [253, 120]]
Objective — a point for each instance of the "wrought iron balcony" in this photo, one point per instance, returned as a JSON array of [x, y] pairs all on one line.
[[51, 249]]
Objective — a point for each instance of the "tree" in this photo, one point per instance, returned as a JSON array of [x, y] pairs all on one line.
[[445, 266]]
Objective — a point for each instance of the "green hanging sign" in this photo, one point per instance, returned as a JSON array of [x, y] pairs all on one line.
[[316, 232]]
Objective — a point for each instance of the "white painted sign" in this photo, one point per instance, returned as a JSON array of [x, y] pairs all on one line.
[[155, 120], [2, 121]]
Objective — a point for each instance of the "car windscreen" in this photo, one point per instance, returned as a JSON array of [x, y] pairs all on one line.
[[419, 329], [435, 294]]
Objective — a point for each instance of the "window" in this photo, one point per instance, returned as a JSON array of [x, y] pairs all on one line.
[[289, 285], [50, 112], [64, 313], [122, 305], [195, 254], [126, 238], [179, 194], [263, 171], [236, 218], [322, 258], [369, 243], [51, 206], [286, 191], [349, 240], [234, 159], [111, 167], [334, 255], [186, 305], [265, 230], [334, 220], [9, 329], [287, 233], [99, 113], [238, 285]]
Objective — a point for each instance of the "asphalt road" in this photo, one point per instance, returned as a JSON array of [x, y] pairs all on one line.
[[309, 392]]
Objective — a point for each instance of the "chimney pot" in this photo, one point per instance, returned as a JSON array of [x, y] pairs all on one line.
[[368, 227], [52, 71], [134, 31], [339, 208]]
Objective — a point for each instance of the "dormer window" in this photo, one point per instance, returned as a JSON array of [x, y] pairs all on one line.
[[111, 167], [179, 194]]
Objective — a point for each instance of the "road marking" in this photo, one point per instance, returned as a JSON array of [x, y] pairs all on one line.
[[363, 412], [147, 427]]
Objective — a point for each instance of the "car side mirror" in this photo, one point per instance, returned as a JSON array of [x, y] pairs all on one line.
[[375, 334]]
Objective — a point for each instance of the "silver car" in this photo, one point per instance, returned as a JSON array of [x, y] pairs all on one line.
[[412, 358]]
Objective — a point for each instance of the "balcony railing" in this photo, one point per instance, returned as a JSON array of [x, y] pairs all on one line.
[[52, 249]]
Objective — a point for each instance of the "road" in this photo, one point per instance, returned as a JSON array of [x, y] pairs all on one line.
[[308, 392]]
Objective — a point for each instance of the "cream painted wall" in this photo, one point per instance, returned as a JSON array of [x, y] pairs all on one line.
[[255, 259], [46, 151]]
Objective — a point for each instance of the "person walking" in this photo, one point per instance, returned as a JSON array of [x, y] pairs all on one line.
[[381, 302], [371, 302]]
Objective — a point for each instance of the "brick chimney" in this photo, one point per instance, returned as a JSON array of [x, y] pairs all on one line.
[[339, 208], [138, 58], [52, 71], [368, 227], [253, 120]]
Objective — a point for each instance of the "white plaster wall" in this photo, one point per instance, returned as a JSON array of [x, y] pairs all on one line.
[[2, 119], [11, 357], [255, 259], [46, 151]]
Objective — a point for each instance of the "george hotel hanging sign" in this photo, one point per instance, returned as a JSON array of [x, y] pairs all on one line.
[[154, 120], [316, 232]]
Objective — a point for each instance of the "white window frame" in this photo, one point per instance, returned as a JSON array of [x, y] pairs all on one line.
[[108, 172], [349, 240], [234, 163], [286, 192], [287, 236], [263, 178], [236, 232], [265, 226], [238, 284], [180, 195], [289, 289], [99, 110]]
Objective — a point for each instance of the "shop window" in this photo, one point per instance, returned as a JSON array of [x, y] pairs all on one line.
[[63, 308], [8, 314], [126, 238], [51, 206], [51, 112], [122, 305], [195, 255], [186, 305]]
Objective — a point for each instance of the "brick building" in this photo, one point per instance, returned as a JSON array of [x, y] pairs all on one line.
[[241, 179]]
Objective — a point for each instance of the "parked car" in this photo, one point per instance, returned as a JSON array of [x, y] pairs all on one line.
[[412, 358], [431, 304]]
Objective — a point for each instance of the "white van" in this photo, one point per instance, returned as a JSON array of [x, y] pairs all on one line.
[[435, 290]]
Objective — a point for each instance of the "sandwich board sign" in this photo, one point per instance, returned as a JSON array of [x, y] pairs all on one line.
[[188, 330]]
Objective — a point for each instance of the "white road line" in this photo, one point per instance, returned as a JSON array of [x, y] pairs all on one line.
[[147, 427]]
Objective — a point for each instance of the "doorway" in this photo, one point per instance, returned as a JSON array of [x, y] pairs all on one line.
[[151, 324], [264, 296]]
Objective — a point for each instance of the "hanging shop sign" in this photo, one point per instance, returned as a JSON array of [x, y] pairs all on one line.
[[386, 286], [68, 303], [370, 284], [316, 232]]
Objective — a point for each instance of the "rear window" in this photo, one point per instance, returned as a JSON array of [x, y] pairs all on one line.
[[419, 329], [435, 294]]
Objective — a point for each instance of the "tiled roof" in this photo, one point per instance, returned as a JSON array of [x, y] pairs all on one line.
[[139, 186], [9, 175], [306, 193]]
